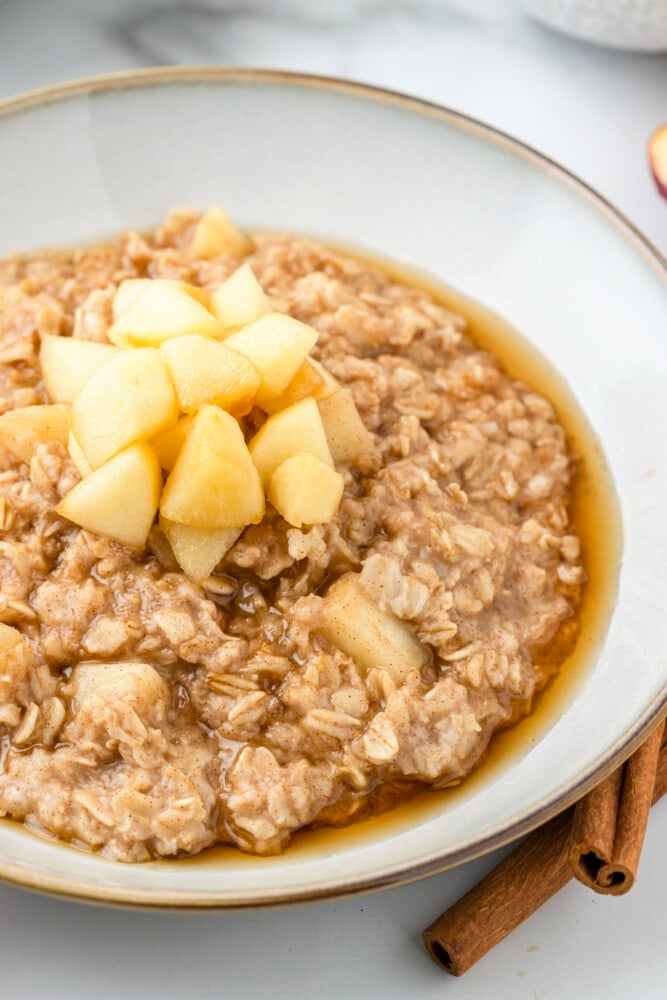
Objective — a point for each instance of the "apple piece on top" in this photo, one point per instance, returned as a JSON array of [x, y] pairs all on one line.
[[168, 443], [67, 363], [308, 381], [159, 311], [120, 498], [214, 483], [239, 300], [293, 431], [78, 457], [128, 290], [305, 490], [198, 550], [206, 371], [277, 346], [129, 398]]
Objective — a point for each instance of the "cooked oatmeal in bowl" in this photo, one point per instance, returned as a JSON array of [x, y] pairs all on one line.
[[196, 653]]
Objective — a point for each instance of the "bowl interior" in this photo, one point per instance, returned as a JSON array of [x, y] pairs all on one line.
[[468, 206]]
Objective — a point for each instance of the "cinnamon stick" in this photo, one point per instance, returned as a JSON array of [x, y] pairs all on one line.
[[517, 887], [610, 822]]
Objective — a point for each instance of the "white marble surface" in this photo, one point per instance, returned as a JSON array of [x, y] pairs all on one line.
[[592, 110]]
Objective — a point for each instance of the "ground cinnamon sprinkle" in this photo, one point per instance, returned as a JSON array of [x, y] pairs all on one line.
[[544, 862]]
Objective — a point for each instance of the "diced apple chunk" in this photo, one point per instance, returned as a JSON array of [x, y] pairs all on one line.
[[198, 550], [214, 483], [215, 233], [159, 311], [346, 433], [67, 363], [330, 383], [293, 431], [307, 382], [93, 677], [128, 290], [277, 346], [353, 622], [76, 454], [23, 429], [126, 293], [240, 299], [305, 490], [129, 398], [120, 499], [168, 443], [205, 371]]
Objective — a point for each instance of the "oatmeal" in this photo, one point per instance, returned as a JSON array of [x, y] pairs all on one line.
[[144, 714]]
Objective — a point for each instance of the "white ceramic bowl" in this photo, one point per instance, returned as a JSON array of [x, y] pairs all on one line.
[[428, 187], [639, 25]]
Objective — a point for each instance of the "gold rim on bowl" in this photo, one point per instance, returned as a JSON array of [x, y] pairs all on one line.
[[392, 876]]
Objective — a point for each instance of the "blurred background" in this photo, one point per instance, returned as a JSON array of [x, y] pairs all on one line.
[[590, 106]]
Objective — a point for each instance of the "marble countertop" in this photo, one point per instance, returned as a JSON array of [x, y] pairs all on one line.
[[591, 109]]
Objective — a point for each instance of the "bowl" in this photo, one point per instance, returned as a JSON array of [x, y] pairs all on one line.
[[638, 25], [427, 187]]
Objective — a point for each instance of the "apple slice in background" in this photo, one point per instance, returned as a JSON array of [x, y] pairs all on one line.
[[657, 158], [23, 429], [215, 233]]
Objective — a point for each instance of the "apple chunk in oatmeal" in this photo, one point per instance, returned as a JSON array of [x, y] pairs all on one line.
[[276, 535]]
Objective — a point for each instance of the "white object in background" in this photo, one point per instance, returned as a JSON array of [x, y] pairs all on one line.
[[623, 24]]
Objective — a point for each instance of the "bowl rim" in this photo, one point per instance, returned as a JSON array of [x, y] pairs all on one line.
[[93, 891]]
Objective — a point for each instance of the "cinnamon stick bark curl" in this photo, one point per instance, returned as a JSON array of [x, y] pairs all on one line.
[[533, 872], [518, 886], [610, 822]]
